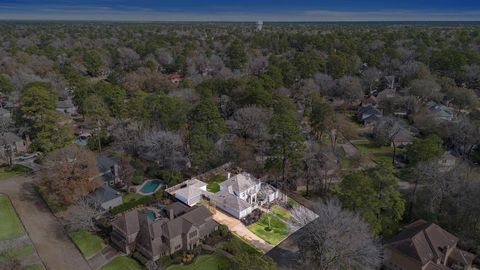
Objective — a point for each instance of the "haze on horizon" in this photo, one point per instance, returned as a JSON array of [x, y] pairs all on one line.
[[248, 10]]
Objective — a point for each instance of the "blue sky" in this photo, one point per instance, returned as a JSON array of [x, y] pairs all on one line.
[[242, 10]]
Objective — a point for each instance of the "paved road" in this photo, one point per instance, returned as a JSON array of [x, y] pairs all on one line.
[[53, 245]]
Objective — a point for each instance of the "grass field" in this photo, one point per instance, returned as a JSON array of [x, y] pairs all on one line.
[[237, 245], [18, 252], [6, 172], [88, 243], [10, 225], [380, 154], [122, 263], [204, 262], [275, 234], [213, 184], [34, 267], [131, 197], [281, 212]]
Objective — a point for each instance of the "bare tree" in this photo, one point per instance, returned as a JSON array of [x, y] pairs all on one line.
[[387, 130], [82, 215], [166, 148], [337, 239], [252, 122], [319, 167]]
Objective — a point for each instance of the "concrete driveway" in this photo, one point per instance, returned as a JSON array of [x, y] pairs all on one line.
[[54, 247], [237, 227]]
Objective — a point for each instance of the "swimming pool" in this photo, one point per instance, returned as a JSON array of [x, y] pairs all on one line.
[[150, 214], [151, 186]]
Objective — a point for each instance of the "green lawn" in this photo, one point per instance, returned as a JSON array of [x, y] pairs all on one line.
[[278, 230], [18, 252], [380, 154], [10, 225], [213, 184], [281, 212], [122, 263], [237, 245], [131, 197], [292, 202], [34, 267], [7, 172], [88, 243], [204, 262]]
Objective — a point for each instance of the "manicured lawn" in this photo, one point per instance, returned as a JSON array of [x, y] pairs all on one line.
[[237, 245], [34, 267], [213, 184], [10, 225], [7, 172], [275, 234], [18, 252], [122, 263], [281, 212], [88, 243], [131, 197], [204, 262], [380, 154]]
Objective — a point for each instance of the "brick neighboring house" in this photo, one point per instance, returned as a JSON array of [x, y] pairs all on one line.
[[425, 246], [158, 232]]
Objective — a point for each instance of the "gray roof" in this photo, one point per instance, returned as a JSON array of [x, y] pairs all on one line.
[[189, 192], [240, 182], [65, 104], [9, 138], [226, 198], [104, 194], [128, 222]]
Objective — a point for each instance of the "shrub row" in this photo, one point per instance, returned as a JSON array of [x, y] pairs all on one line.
[[132, 204]]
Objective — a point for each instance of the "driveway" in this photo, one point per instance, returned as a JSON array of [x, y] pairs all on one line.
[[237, 227], [53, 245]]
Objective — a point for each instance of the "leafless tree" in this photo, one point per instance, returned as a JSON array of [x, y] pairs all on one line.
[[337, 239], [128, 57], [252, 122], [349, 88], [164, 57], [325, 84], [371, 77], [82, 215], [166, 148], [387, 130], [319, 167]]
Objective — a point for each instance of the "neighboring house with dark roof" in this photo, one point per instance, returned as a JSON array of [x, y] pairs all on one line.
[[158, 232], [403, 137], [440, 111], [425, 246], [66, 106], [12, 142], [106, 197], [369, 114], [109, 169]]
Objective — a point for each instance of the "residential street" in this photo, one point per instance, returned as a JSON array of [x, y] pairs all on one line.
[[53, 245]]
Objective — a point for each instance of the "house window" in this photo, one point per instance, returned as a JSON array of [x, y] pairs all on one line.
[[178, 247], [192, 234]]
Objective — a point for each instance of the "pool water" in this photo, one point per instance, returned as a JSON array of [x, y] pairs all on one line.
[[151, 186], [150, 214]]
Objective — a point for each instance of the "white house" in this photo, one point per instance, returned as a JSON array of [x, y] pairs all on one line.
[[190, 192]]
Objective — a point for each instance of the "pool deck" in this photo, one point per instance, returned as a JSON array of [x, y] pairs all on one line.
[[139, 189]]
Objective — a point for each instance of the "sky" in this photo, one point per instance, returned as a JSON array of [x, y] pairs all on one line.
[[241, 10]]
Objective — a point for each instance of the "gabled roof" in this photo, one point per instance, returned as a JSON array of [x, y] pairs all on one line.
[[189, 192], [422, 241], [224, 197], [104, 194], [127, 222], [240, 182]]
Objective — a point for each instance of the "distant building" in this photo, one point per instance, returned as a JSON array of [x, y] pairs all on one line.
[[259, 25], [425, 246], [175, 78]]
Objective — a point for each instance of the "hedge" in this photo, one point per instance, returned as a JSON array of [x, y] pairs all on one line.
[[132, 204]]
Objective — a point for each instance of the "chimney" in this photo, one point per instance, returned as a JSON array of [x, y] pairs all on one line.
[[171, 215], [115, 173], [228, 175]]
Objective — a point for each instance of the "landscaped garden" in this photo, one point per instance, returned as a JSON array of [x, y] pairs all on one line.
[[213, 184], [10, 225], [122, 263], [204, 262], [88, 243], [281, 212], [270, 228]]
